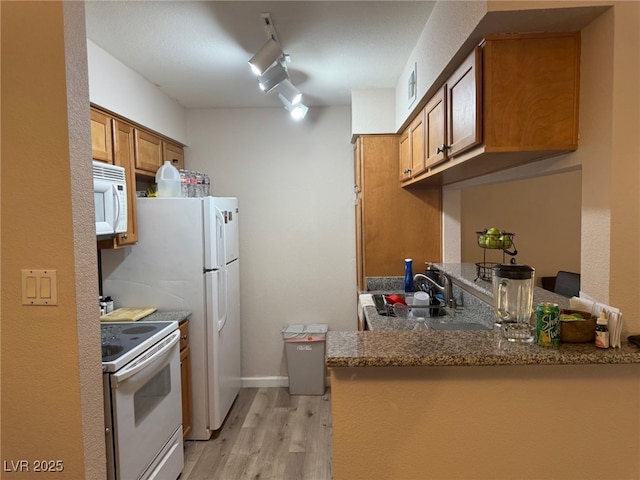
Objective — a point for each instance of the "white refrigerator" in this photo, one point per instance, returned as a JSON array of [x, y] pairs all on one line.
[[187, 258]]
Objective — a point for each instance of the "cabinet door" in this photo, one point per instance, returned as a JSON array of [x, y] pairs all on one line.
[[405, 156], [396, 223], [185, 376], [123, 140], [416, 136], [531, 92], [148, 152], [174, 154], [101, 128], [435, 129], [464, 104]]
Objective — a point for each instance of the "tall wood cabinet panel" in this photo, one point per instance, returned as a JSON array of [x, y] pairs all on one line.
[[101, 130], [393, 223], [357, 175], [185, 377]]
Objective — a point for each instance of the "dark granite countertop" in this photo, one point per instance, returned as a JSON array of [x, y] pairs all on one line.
[[167, 316], [460, 348], [393, 342], [465, 275]]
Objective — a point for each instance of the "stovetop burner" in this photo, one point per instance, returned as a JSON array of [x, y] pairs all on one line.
[[122, 341]]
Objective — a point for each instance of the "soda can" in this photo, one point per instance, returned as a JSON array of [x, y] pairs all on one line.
[[548, 324]]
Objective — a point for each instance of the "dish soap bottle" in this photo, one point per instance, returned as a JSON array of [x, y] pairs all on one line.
[[408, 275], [602, 331]]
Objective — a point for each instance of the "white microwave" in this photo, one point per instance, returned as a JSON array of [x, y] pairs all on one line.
[[110, 199]]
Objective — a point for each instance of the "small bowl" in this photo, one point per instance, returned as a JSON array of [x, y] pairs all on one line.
[[578, 331]]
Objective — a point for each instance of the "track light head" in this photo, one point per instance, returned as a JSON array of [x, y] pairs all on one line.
[[297, 111], [266, 56], [290, 92], [273, 77]]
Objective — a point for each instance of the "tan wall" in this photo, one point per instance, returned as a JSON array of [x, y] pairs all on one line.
[[486, 423], [51, 405], [543, 212]]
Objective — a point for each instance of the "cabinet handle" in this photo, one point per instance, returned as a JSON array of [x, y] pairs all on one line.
[[175, 161], [183, 337], [406, 171], [442, 148], [125, 236]]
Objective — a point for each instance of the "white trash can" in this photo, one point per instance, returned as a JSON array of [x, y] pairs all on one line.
[[304, 348]]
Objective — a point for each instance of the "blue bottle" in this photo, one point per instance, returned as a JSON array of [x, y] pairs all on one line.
[[408, 275]]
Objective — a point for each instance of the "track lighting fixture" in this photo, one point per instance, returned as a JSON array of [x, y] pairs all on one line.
[[273, 77], [270, 64], [290, 92], [267, 56]]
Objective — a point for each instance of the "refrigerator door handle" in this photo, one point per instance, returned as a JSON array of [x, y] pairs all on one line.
[[222, 299], [221, 250]]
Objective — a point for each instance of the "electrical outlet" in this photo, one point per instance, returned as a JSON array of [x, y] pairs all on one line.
[[39, 287]]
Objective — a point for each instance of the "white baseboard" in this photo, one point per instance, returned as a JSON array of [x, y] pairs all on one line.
[[262, 382], [259, 382]]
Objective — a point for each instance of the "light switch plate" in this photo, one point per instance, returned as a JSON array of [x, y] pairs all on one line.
[[39, 287]]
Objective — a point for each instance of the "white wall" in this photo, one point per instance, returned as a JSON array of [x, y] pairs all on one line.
[[294, 183], [446, 31], [373, 110], [114, 86]]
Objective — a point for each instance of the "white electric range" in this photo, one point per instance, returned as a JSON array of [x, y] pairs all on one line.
[[143, 403]]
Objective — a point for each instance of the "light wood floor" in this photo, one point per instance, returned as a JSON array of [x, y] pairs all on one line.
[[268, 434]]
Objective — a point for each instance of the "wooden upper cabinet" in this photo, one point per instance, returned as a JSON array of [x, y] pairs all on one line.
[[405, 156], [123, 153], [123, 140], [453, 114], [416, 137], [435, 129], [464, 105], [101, 141], [173, 153], [148, 152], [412, 148], [513, 100], [531, 92]]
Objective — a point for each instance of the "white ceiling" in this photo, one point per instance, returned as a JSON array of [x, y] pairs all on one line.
[[197, 52]]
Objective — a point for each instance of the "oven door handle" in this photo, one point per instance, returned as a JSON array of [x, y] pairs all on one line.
[[156, 353]]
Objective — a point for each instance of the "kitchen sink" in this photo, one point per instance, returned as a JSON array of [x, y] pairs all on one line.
[[386, 309]]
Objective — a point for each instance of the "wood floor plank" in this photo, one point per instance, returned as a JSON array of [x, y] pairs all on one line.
[[268, 435], [215, 452]]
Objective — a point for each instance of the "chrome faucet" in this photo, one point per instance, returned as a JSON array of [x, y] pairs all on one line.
[[446, 289]]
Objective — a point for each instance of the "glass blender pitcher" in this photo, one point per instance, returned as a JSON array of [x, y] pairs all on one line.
[[512, 301]]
